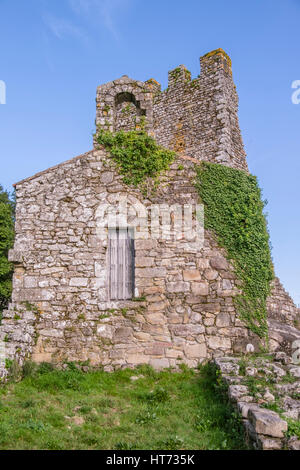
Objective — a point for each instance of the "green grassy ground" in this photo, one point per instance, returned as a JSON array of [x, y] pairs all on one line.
[[52, 409]]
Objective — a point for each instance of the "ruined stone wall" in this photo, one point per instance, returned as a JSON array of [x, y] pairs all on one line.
[[197, 118], [275, 379], [281, 306], [60, 307]]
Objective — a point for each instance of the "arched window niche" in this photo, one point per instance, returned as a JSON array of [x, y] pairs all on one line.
[[128, 112]]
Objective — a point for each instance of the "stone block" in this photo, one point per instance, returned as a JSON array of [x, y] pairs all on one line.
[[223, 320], [142, 336], [15, 256], [293, 443], [219, 263], [267, 422], [157, 306], [174, 353], [244, 407], [51, 332], [136, 358], [78, 282], [191, 275], [144, 261], [218, 342], [295, 372], [210, 274], [195, 350], [122, 333], [177, 287], [235, 392], [105, 331], [208, 307], [162, 363], [156, 319], [30, 282], [200, 288], [150, 272], [39, 357], [141, 244], [107, 177], [265, 443]]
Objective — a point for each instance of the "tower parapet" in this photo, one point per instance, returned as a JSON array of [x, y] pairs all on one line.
[[197, 118]]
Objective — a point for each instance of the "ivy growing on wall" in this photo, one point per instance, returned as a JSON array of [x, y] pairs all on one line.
[[136, 154], [234, 211]]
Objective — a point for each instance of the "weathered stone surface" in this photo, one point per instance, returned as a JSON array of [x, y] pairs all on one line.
[[122, 333], [293, 443], [283, 335], [136, 359], [281, 307], [237, 391], [78, 282], [177, 287], [219, 262], [223, 319], [227, 367], [265, 443], [269, 397], [244, 408], [105, 331], [156, 319], [200, 288], [191, 275], [159, 363], [295, 371], [210, 274], [143, 261], [267, 422], [195, 350], [218, 342], [107, 177]]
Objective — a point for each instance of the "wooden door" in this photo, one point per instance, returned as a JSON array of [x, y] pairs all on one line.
[[121, 263]]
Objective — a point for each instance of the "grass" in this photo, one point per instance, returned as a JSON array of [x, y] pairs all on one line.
[[51, 409]]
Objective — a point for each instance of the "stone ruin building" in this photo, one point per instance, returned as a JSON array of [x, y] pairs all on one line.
[[83, 291]]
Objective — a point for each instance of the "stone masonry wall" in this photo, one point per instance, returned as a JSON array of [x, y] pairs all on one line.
[[60, 307]]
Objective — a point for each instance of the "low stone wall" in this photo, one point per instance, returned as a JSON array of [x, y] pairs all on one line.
[[259, 385]]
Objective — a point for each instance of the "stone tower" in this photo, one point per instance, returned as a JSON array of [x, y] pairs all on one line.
[[196, 117]]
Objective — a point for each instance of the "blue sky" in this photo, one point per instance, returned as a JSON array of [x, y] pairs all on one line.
[[54, 53]]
